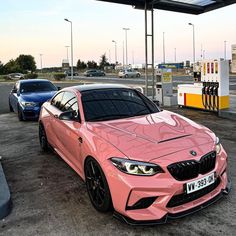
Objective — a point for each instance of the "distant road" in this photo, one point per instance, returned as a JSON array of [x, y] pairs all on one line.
[[5, 87], [141, 81]]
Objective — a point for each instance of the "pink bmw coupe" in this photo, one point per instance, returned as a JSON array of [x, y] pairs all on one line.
[[148, 165]]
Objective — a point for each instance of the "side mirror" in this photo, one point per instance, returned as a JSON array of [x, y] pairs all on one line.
[[14, 90], [69, 115], [58, 88]]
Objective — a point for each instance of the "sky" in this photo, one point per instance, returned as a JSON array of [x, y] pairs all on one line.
[[37, 27]]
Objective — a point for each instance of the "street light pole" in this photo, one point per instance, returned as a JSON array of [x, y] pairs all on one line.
[[41, 62], [72, 74], [164, 56], [193, 42], [123, 55], [67, 52], [115, 51], [126, 45], [175, 55], [225, 49], [133, 56]]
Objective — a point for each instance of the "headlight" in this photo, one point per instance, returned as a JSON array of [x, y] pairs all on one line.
[[218, 145], [29, 104], [136, 167]]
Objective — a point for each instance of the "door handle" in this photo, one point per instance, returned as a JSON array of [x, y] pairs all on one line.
[[80, 140]]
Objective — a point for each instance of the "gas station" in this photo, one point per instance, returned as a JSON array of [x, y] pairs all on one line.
[[210, 90]]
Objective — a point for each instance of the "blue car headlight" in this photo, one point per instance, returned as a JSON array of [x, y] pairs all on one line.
[[29, 104]]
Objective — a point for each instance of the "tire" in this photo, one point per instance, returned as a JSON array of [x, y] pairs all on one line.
[[97, 186], [19, 114], [90, 75], [126, 76], [138, 75], [43, 138], [10, 107]]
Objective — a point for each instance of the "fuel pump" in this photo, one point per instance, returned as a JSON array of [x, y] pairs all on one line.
[[212, 91], [197, 72], [164, 87]]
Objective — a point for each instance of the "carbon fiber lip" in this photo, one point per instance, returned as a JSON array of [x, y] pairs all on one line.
[[170, 217]]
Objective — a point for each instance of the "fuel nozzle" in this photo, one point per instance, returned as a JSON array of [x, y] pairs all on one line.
[[215, 96], [204, 88], [215, 89]]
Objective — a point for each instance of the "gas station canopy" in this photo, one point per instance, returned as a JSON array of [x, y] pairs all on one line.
[[185, 6]]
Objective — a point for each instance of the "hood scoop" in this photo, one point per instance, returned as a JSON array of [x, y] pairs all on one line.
[[170, 139]]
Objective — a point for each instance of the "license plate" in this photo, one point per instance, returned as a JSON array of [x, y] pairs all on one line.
[[200, 183]]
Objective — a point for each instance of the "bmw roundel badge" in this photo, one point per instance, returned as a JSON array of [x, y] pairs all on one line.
[[193, 153]]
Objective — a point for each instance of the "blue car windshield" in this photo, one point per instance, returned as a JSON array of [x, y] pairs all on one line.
[[37, 86]]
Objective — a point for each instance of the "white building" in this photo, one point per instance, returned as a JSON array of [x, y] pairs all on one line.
[[233, 64]]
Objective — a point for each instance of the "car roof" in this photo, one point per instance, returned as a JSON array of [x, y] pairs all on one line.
[[89, 87], [33, 80]]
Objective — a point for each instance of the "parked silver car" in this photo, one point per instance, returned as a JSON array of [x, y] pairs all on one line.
[[15, 76], [128, 73]]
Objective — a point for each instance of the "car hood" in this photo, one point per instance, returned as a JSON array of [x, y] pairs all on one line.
[[37, 96], [152, 136]]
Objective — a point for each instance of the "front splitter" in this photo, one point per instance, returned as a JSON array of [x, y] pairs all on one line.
[[170, 217]]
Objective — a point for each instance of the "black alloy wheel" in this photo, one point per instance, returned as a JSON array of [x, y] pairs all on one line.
[[97, 186], [19, 113], [43, 138], [10, 107]]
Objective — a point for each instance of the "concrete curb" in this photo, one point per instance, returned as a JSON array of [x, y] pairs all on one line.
[[5, 196]]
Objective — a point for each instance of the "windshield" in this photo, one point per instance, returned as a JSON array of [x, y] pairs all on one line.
[[110, 104], [37, 86]]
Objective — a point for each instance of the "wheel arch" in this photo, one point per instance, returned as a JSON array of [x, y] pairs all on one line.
[[104, 173]]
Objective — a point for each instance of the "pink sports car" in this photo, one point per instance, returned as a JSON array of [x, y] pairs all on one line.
[[148, 165]]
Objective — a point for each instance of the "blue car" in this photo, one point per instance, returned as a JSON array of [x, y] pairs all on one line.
[[27, 97]]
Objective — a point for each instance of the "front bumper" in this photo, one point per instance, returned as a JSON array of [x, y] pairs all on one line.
[[170, 217], [30, 113], [129, 191]]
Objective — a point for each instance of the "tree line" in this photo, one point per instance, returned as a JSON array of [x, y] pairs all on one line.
[[26, 64], [81, 65], [22, 64]]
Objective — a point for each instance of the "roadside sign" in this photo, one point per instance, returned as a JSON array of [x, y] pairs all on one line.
[[166, 76]]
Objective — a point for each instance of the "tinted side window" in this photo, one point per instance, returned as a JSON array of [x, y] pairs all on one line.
[[69, 102], [56, 101]]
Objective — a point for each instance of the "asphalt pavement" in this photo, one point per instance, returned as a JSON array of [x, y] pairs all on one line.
[[49, 198]]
